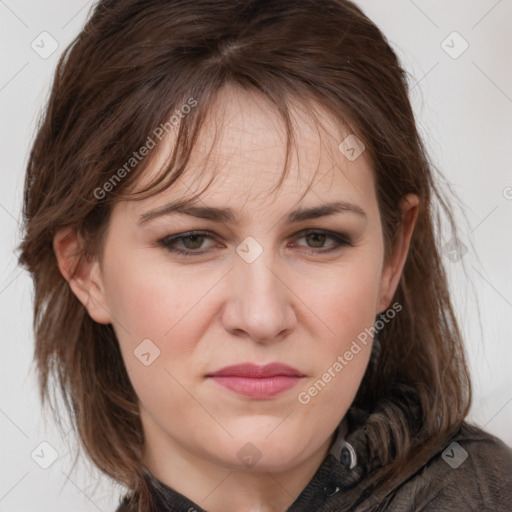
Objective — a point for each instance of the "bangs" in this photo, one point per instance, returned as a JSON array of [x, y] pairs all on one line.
[[169, 160]]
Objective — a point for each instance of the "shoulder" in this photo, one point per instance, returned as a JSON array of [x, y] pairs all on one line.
[[473, 472]]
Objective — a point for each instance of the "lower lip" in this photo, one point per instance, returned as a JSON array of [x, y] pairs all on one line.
[[258, 388]]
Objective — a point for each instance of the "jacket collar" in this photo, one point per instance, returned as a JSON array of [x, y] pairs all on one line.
[[347, 462]]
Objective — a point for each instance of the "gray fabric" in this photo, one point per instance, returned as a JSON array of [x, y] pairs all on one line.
[[482, 482]]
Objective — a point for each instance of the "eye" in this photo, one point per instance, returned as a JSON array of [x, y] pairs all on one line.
[[192, 243], [316, 239]]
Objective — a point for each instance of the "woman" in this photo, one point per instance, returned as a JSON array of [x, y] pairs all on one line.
[[281, 338]]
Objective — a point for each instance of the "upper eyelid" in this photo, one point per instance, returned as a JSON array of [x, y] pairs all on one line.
[[300, 234]]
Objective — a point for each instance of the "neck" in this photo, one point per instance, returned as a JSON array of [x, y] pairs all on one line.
[[219, 487]]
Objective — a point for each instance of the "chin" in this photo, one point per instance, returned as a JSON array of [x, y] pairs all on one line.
[[253, 452]]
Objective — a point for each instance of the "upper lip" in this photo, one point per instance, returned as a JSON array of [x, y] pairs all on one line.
[[251, 370]]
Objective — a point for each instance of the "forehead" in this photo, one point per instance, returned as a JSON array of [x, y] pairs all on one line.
[[241, 149]]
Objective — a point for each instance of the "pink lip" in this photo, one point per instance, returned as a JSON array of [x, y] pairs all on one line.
[[258, 382]]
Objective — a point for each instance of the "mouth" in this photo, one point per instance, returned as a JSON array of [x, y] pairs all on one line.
[[257, 382]]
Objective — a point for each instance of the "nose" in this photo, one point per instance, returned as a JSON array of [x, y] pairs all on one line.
[[259, 304]]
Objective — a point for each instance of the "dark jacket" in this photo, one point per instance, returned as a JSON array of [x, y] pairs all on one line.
[[472, 474]]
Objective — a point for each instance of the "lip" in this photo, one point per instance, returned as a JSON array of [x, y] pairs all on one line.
[[258, 382], [251, 370]]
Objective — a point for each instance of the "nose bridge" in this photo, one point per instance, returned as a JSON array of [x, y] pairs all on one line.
[[257, 271], [260, 302]]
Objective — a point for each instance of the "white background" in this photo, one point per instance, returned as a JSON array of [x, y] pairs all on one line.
[[464, 110]]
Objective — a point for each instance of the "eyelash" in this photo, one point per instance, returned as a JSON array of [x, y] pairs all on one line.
[[341, 240]]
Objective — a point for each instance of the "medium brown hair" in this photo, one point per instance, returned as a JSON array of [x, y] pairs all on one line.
[[133, 65]]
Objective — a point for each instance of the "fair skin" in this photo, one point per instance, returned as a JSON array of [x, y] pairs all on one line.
[[293, 304]]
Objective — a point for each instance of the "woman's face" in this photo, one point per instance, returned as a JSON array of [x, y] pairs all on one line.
[[264, 283]]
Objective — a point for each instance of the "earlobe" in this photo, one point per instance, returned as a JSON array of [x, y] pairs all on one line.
[[393, 268], [83, 275]]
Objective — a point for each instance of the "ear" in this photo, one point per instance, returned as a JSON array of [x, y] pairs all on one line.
[[82, 274], [392, 269]]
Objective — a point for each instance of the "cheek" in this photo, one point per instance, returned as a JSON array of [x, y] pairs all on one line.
[[149, 307], [145, 297], [345, 303], [346, 299], [341, 356], [149, 300]]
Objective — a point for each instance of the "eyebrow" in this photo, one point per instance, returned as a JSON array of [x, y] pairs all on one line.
[[228, 216]]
